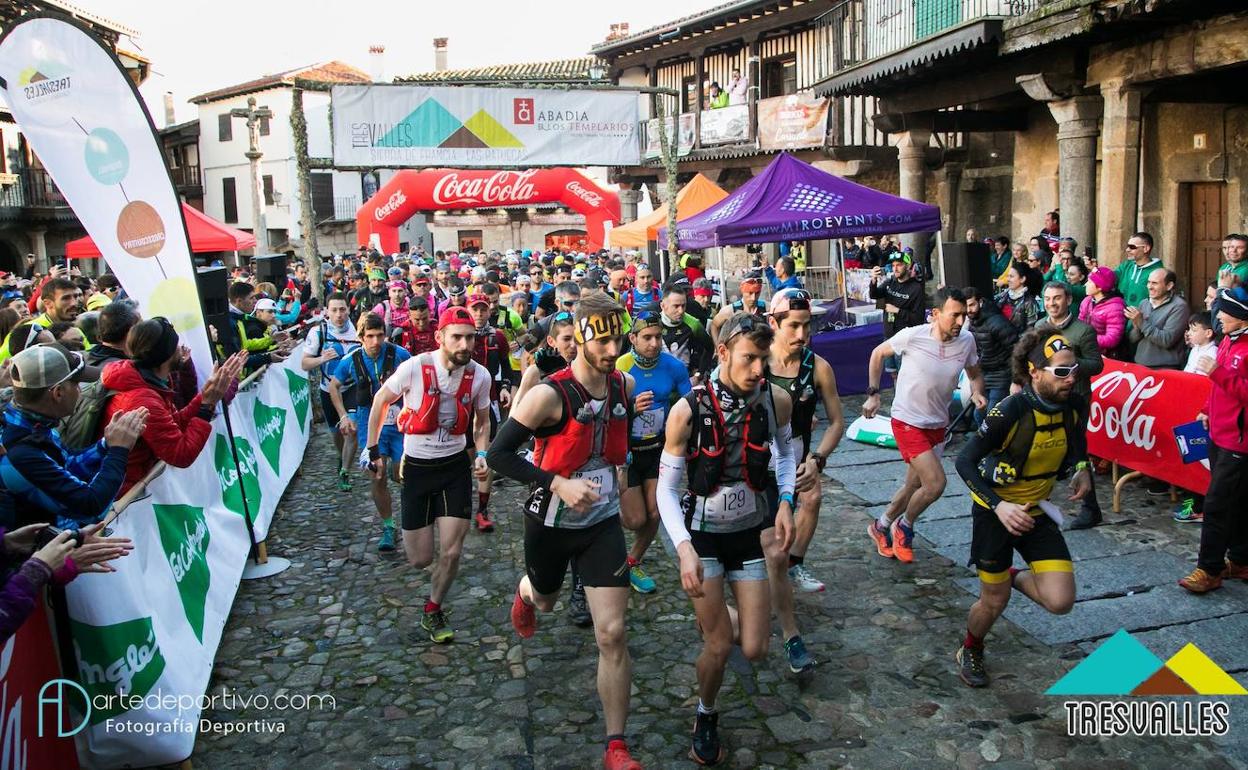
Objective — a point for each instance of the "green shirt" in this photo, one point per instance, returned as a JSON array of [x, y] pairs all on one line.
[[1133, 280], [1240, 269]]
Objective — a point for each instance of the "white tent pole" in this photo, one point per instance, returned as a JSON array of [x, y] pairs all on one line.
[[840, 257], [940, 258]]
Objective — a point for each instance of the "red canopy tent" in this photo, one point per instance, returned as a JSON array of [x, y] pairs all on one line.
[[207, 234]]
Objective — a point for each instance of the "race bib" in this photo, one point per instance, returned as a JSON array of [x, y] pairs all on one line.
[[730, 504], [392, 414], [604, 476], [648, 423]]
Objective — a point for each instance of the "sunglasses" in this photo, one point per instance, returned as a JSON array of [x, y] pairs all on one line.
[[1131, 247], [569, 303], [743, 325], [1062, 372], [799, 300], [561, 316]]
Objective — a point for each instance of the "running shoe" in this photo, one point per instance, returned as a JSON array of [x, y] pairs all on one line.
[[578, 608], [484, 524], [883, 541], [344, 481], [1235, 571], [1186, 513], [617, 757], [706, 749], [971, 666], [1086, 519], [799, 658], [435, 623], [1201, 582], [387, 540], [803, 581], [640, 581], [902, 537], [1157, 488], [523, 617]]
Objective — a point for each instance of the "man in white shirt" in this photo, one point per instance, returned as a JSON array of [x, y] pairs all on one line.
[[935, 354], [738, 88]]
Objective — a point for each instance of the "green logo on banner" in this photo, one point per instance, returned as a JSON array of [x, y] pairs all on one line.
[[269, 425], [299, 397], [121, 659], [184, 534], [231, 487]]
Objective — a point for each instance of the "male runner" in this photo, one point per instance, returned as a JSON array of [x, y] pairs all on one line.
[[445, 393], [491, 351], [558, 352], [644, 292], [683, 335], [579, 419], [935, 353], [1011, 465], [749, 302], [729, 429], [422, 338], [360, 373], [661, 379], [808, 379], [330, 340]]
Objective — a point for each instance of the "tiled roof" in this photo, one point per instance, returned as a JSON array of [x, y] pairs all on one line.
[[325, 72], [704, 15], [558, 71]]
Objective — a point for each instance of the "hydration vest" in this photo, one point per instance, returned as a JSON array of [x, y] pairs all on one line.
[[712, 453], [364, 389], [571, 442], [760, 307], [1013, 462], [802, 391], [424, 419]]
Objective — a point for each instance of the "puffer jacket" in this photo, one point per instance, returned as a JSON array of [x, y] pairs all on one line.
[[994, 339], [1227, 406], [1107, 319]]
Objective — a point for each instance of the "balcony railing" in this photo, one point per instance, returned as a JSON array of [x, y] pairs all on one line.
[[345, 207], [33, 188], [185, 176]]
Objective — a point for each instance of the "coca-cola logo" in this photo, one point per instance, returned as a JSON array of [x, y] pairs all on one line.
[[587, 195], [389, 207], [501, 188], [1128, 421]]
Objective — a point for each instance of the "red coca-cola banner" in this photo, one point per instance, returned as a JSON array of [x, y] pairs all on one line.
[[1133, 416], [409, 192], [27, 663]]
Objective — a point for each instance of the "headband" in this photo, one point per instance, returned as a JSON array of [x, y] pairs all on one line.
[[596, 326], [645, 319], [1041, 354]]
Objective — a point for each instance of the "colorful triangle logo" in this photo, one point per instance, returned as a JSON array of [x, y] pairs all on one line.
[[490, 131], [1204, 676], [1123, 666], [429, 125]]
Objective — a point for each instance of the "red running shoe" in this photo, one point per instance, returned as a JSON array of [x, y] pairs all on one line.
[[484, 524], [523, 618], [618, 758]]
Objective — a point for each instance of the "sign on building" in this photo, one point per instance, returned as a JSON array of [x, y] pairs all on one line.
[[684, 131], [726, 125], [792, 122]]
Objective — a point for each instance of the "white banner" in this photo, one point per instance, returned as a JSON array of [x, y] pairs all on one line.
[[415, 126], [726, 124], [683, 139], [85, 121], [151, 630]]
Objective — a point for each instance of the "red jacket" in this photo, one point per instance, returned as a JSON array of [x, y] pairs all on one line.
[[172, 435], [1227, 406]]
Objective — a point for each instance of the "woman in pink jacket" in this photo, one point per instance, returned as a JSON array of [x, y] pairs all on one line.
[[1103, 309]]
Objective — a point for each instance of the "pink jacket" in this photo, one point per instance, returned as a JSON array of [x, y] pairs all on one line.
[[1227, 406], [1107, 319]]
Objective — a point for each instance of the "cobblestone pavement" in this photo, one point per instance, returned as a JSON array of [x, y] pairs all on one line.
[[344, 621]]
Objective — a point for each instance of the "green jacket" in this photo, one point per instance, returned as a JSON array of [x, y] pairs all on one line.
[[1133, 280], [1240, 270]]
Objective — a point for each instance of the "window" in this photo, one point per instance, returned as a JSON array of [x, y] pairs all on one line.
[[780, 77], [267, 179], [322, 188], [225, 127], [229, 200], [689, 87], [264, 126], [470, 240]]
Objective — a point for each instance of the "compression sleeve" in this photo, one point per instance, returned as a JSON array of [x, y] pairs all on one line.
[[786, 464], [671, 471], [502, 457]]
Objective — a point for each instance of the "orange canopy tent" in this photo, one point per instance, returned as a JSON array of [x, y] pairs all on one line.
[[694, 198], [207, 234]]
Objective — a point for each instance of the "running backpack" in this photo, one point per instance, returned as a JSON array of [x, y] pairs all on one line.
[[81, 429]]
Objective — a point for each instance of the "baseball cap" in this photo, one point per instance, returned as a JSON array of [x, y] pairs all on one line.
[[266, 304], [578, 273], [478, 298], [395, 271], [46, 365], [455, 315], [789, 299]]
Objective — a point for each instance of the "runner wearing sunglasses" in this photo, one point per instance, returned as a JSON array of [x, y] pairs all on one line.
[[748, 302], [1024, 445]]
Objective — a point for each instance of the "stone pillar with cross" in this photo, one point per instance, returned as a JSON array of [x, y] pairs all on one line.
[[253, 115]]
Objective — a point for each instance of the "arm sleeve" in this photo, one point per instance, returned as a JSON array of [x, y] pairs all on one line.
[[671, 470], [991, 434], [503, 459], [82, 501], [786, 463], [169, 440]]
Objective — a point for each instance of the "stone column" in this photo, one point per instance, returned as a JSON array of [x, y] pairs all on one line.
[[911, 152], [1077, 119], [1120, 170], [628, 205], [39, 247]]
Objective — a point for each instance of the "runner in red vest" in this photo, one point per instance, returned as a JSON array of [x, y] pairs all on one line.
[[491, 351], [446, 395], [579, 419]]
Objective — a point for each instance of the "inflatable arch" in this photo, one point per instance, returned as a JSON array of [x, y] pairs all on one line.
[[411, 191]]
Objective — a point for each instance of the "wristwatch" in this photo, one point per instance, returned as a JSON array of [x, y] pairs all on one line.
[[872, 391]]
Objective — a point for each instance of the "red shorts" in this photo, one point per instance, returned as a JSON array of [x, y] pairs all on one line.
[[914, 441]]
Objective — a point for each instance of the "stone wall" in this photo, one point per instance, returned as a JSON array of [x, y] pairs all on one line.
[[1035, 174]]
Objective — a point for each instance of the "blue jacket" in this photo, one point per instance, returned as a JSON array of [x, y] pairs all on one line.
[[792, 282], [46, 482]]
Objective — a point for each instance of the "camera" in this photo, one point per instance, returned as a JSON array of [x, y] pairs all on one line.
[[49, 533]]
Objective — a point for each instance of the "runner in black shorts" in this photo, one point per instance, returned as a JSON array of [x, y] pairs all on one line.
[[491, 350], [435, 465], [1011, 465], [579, 417]]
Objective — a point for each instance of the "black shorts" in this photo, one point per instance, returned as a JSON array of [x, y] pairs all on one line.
[[329, 412], [992, 546], [738, 555], [433, 488], [644, 465], [597, 553]]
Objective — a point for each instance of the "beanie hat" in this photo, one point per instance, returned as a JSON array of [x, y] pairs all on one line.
[[1104, 278]]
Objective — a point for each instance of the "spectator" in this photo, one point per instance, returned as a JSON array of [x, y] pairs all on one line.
[[784, 276], [261, 324], [9, 319], [1076, 278], [42, 480], [61, 300], [1191, 509], [1001, 258], [1157, 325], [107, 289], [1052, 227], [738, 88], [994, 340], [1019, 300], [116, 320], [1234, 271], [234, 337], [902, 295], [1102, 309], [288, 308], [718, 97], [1134, 271], [1058, 265], [172, 435]]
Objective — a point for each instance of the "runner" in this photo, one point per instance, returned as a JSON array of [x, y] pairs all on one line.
[[354, 384], [394, 310], [643, 293], [749, 302], [936, 353], [808, 379], [557, 353], [740, 426], [445, 394], [1011, 465], [661, 379], [327, 342], [579, 418], [491, 351], [422, 337], [683, 335]]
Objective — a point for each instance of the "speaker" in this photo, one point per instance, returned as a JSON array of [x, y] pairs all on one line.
[[969, 264], [271, 269], [213, 283]]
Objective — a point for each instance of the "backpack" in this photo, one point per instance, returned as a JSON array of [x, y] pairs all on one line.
[[81, 429]]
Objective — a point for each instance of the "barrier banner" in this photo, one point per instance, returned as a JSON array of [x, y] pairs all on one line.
[[27, 661], [459, 127], [792, 122], [82, 116], [1133, 415]]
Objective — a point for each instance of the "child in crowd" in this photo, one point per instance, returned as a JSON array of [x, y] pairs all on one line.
[[1199, 337]]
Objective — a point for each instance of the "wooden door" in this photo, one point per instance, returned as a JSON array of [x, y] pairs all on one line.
[[1206, 226]]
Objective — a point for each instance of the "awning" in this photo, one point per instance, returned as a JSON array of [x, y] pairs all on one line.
[[694, 198], [207, 235]]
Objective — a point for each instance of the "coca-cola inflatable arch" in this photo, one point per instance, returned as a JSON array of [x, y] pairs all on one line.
[[409, 192]]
